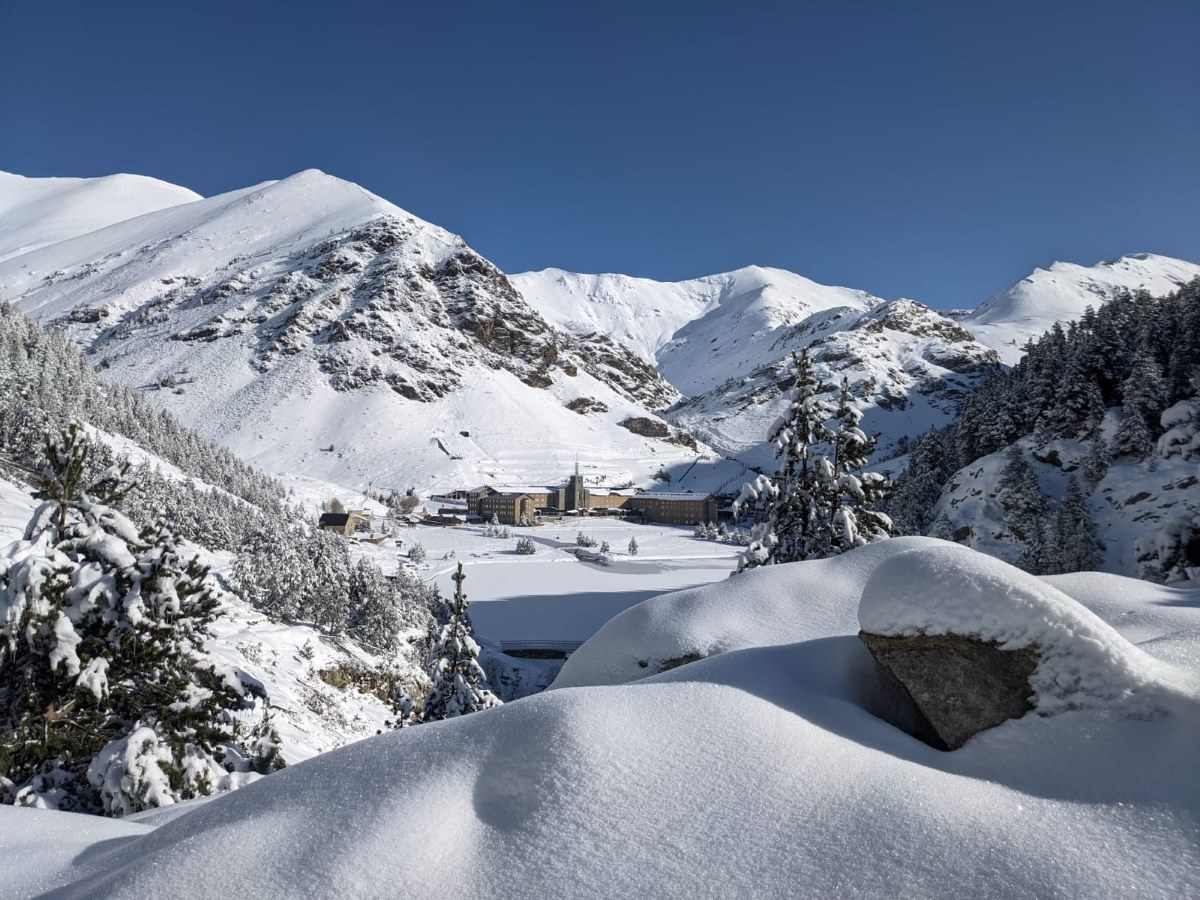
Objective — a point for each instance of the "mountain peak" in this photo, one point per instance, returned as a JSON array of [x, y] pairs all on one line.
[[1063, 291], [36, 212]]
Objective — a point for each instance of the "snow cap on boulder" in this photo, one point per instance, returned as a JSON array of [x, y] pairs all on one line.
[[1084, 663]]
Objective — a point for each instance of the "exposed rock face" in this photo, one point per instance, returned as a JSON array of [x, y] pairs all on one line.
[[960, 686], [389, 302], [645, 427]]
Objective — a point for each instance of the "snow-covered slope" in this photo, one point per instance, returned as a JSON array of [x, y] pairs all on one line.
[[699, 332], [726, 340], [657, 788], [906, 365], [1062, 292], [320, 331], [296, 664], [1128, 505], [35, 212]]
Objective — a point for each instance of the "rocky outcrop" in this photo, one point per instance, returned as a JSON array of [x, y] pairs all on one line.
[[960, 686], [646, 427]]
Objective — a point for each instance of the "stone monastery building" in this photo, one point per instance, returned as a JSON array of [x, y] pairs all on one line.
[[511, 504]]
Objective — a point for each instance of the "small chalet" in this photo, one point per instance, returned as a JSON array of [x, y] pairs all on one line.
[[345, 523]]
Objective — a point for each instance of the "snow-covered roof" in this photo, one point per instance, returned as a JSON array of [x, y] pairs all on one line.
[[674, 496]]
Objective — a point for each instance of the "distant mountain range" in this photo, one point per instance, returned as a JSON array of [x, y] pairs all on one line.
[[320, 331]]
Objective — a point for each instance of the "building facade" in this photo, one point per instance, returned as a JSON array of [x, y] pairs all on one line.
[[675, 509], [509, 504], [346, 523], [508, 508]]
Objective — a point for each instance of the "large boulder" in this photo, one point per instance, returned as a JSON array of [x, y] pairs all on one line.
[[960, 686], [975, 642]]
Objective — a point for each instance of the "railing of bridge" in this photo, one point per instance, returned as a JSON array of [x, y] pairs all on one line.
[[564, 646]]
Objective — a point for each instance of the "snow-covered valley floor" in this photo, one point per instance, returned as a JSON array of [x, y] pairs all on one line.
[[551, 595]]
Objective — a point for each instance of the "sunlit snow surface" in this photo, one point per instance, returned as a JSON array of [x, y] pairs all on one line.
[[761, 771], [36, 212]]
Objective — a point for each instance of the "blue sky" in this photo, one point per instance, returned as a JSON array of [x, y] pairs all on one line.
[[931, 150]]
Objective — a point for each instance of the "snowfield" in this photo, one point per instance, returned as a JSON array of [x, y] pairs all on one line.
[[760, 771], [36, 212], [554, 596]]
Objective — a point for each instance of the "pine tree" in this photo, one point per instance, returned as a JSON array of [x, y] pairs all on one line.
[[1078, 401], [633, 546], [1142, 401], [854, 495], [794, 525], [931, 462], [1026, 511], [458, 679], [1074, 548], [107, 703], [328, 579], [819, 502], [942, 529], [1095, 465], [374, 618]]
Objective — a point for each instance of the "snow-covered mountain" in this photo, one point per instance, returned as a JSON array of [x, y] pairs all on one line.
[[1062, 292], [699, 332], [726, 341], [320, 331], [35, 212]]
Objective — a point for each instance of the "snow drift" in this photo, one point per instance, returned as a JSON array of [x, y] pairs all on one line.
[[658, 787]]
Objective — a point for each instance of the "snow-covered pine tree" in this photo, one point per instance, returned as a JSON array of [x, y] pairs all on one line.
[[1142, 401], [794, 525], [374, 620], [633, 546], [458, 679], [1027, 511], [931, 461], [855, 495], [1074, 547], [107, 704], [942, 529], [1095, 464], [328, 579], [819, 503], [1171, 553], [1078, 401]]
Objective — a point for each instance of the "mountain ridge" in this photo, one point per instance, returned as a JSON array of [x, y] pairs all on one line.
[[313, 295]]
